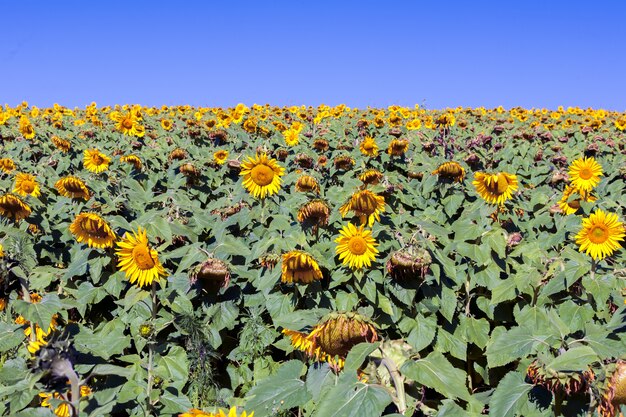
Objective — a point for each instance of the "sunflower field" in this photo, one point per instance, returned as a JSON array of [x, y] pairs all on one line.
[[312, 261]]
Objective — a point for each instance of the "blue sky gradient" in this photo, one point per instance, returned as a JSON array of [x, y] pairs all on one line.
[[435, 53]]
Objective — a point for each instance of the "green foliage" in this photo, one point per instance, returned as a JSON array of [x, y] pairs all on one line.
[[488, 293]]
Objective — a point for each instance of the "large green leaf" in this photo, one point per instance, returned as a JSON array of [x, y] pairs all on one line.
[[436, 372], [510, 396], [281, 391], [351, 398]]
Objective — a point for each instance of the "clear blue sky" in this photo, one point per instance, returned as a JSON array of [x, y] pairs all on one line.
[[489, 53]]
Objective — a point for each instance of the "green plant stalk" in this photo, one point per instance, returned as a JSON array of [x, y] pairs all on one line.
[[398, 383], [26, 297], [151, 351]]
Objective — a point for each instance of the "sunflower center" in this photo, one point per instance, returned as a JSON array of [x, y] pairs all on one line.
[[142, 257], [497, 185], [598, 234], [127, 124], [585, 173], [97, 159], [262, 175], [357, 245], [28, 186], [368, 146]]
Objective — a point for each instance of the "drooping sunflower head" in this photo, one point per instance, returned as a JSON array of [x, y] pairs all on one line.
[[138, 260], [261, 175], [133, 160], [194, 412], [338, 332], [314, 213], [61, 144], [409, 263], [26, 184], [567, 382], [7, 165], [452, 171], [366, 205], [495, 188], [343, 162], [300, 267], [585, 173], [371, 177], [307, 184], [219, 157], [211, 275], [72, 187], [320, 145], [93, 230], [398, 147], [12, 207], [95, 161], [600, 234], [614, 390], [356, 246], [570, 202], [177, 154], [369, 146]]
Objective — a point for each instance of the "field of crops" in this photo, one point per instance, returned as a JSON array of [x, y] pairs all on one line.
[[301, 261]]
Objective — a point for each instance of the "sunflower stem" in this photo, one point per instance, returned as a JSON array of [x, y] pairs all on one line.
[[151, 351], [26, 297], [398, 383], [592, 273]]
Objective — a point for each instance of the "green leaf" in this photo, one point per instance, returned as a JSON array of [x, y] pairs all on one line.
[[107, 341], [437, 373], [11, 335], [351, 398], [511, 345], [510, 396], [357, 355], [174, 367], [575, 359], [281, 391], [39, 313]]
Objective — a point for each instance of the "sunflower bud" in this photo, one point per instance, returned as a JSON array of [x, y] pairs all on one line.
[[211, 275], [146, 330]]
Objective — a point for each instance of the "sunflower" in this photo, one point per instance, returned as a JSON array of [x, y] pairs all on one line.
[[72, 187], [614, 390], [26, 184], [368, 146], [261, 175], [219, 157], [307, 184], [7, 165], [93, 230], [356, 246], [26, 128], [398, 147], [451, 170], [495, 188], [585, 173], [600, 234], [343, 162], [570, 202], [63, 409], [136, 258], [1, 250], [61, 144], [194, 412], [292, 137], [96, 161], [365, 204], [12, 207], [132, 159], [167, 124], [333, 337], [371, 177], [314, 213], [126, 123], [300, 267]]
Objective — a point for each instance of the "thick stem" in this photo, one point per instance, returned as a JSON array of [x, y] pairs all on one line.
[[592, 273], [398, 383], [151, 344], [26, 297]]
